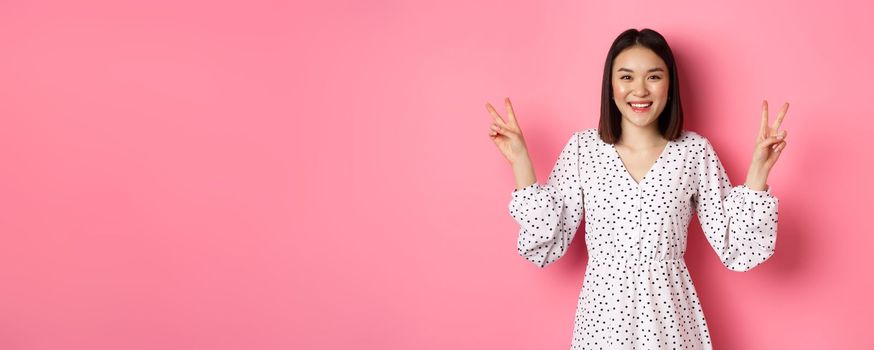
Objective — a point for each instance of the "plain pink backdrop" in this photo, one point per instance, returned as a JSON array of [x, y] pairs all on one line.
[[282, 175]]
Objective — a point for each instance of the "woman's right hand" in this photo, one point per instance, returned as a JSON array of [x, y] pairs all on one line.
[[507, 135]]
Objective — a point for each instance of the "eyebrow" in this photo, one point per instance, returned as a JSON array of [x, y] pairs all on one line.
[[651, 70]]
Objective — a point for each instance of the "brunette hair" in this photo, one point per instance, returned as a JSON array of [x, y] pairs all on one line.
[[670, 121]]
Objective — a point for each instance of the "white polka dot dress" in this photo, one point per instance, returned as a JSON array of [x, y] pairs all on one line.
[[637, 292]]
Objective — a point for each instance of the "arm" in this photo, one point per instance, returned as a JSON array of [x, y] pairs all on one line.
[[549, 214], [740, 223]]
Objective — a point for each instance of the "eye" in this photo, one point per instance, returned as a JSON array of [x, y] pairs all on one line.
[[624, 76], [656, 76]]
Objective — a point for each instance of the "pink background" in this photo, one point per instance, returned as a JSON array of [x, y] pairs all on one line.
[[274, 175]]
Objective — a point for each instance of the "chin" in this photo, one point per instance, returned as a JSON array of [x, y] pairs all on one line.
[[644, 124], [641, 121]]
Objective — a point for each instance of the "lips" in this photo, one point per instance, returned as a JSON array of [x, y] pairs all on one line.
[[640, 107]]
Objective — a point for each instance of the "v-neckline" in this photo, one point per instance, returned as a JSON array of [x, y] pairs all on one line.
[[651, 168]]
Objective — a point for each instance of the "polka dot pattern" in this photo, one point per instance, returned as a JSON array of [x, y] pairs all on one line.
[[637, 292]]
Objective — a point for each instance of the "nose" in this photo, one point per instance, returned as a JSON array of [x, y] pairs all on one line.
[[640, 89]]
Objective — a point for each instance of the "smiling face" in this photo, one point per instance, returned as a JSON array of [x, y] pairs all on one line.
[[640, 77]]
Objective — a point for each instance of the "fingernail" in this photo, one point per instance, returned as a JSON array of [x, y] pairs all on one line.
[[780, 136]]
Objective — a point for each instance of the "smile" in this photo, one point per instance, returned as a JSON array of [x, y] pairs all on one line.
[[640, 107]]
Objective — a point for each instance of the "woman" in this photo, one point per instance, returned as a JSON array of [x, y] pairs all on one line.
[[638, 177]]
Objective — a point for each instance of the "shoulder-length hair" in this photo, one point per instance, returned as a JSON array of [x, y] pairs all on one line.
[[670, 121]]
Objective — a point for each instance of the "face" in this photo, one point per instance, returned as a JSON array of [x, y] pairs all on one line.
[[640, 76]]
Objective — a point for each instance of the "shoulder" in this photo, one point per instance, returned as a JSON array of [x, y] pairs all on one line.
[[587, 138], [700, 147], [583, 136], [587, 135], [694, 140], [689, 136]]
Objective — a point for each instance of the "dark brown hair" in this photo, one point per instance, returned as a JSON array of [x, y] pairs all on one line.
[[670, 121]]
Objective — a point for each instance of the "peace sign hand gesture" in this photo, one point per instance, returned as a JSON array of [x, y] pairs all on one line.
[[769, 144], [508, 135]]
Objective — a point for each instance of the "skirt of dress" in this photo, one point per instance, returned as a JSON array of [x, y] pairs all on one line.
[[639, 304]]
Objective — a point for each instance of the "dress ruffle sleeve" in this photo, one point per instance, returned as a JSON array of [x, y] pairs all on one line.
[[549, 214], [739, 223]]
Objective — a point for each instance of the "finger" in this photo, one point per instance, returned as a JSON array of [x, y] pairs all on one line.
[[770, 141], [494, 113], [500, 122], [764, 124], [780, 136], [510, 113], [777, 146], [777, 152], [780, 146], [780, 116], [500, 129], [772, 157]]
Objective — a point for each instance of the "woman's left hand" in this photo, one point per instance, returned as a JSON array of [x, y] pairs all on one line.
[[769, 145]]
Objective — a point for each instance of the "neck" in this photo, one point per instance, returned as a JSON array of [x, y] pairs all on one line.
[[640, 137]]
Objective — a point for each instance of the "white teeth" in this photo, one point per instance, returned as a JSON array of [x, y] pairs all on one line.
[[640, 105]]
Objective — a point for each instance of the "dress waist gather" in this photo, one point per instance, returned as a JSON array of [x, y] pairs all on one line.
[[601, 259]]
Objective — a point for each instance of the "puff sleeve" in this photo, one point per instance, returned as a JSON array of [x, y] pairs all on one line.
[[549, 214], [739, 223]]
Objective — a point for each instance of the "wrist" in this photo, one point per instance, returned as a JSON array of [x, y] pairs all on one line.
[[757, 180]]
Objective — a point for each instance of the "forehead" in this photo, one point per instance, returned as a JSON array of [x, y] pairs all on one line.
[[638, 59]]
